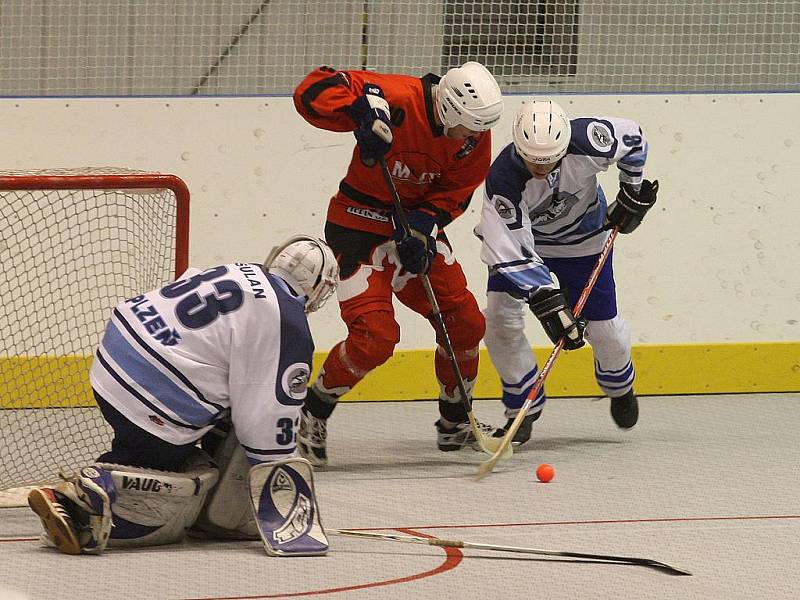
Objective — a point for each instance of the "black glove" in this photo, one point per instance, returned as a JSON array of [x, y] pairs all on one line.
[[629, 208], [374, 126], [550, 307], [418, 250]]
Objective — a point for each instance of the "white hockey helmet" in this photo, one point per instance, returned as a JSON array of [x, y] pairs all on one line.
[[541, 131], [469, 96], [308, 266]]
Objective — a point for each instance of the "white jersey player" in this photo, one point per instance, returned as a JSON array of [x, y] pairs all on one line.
[[544, 212], [229, 344]]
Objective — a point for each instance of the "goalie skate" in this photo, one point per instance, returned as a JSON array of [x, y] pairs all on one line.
[[76, 513], [59, 528]]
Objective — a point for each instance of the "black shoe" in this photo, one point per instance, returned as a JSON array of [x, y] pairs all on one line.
[[625, 410], [523, 433]]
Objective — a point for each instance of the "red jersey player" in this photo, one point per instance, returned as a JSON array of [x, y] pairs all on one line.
[[434, 135]]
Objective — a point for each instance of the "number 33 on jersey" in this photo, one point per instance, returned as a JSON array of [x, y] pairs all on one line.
[[227, 340]]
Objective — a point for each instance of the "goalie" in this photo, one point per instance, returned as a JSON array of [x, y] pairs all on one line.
[[227, 345]]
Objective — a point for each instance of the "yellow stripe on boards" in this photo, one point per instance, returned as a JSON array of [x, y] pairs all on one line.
[[38, 382], [45, 382], [660, 369]]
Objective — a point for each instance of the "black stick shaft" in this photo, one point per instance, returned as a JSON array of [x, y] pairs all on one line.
[[442, 543], [426, 283]]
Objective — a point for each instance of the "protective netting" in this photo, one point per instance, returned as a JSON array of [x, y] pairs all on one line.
[[185, 47], [67, 257]]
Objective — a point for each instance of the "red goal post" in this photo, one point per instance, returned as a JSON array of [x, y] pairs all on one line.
[[74, 243]]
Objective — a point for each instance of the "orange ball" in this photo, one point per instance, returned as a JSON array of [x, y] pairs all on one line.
[[545, 473]]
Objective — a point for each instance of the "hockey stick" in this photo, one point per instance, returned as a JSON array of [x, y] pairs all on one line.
[[488, 445], [433, 541], [487, 465]]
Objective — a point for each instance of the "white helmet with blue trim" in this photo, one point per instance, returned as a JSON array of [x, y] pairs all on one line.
[[308, 265]]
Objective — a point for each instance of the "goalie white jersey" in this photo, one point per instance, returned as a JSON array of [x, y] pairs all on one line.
[[230, 341], [524, 218]]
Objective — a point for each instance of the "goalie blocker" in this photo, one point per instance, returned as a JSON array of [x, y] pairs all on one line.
[[285, 507]]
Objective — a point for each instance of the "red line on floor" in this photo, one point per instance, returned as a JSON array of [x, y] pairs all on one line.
[[453, 557]]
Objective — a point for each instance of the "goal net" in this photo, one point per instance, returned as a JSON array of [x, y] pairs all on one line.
[[74, 243]]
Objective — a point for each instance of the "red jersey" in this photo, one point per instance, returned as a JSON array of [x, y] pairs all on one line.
[[430, 171]]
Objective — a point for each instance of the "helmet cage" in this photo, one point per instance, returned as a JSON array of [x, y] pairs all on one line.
[[308, 266]]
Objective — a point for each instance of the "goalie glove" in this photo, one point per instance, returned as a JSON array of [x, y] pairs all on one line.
[[416, 251], [628, 210], [551, 308], [370, 112]]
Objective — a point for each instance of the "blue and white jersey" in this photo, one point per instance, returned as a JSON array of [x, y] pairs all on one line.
[[524, 218], [228, 341]]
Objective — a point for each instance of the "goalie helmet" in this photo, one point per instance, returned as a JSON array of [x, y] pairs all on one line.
[[541, 132], [308, 266], [469, 96]]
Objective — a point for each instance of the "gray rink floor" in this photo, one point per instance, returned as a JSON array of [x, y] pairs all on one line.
[[708, 483]]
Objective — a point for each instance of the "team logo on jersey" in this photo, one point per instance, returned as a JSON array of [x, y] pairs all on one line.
[[412, 167], [505, 209], [295, 379], [467, 148], [600, 136], [554, 209]]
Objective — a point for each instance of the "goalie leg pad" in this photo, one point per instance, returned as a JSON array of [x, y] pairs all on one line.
[[285, 508], [157, 507], [227, 513]]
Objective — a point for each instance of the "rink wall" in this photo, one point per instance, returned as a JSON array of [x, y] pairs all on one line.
[[709, 283]]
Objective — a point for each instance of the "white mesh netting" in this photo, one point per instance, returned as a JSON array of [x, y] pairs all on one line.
[[185, 47], [67, 257]]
